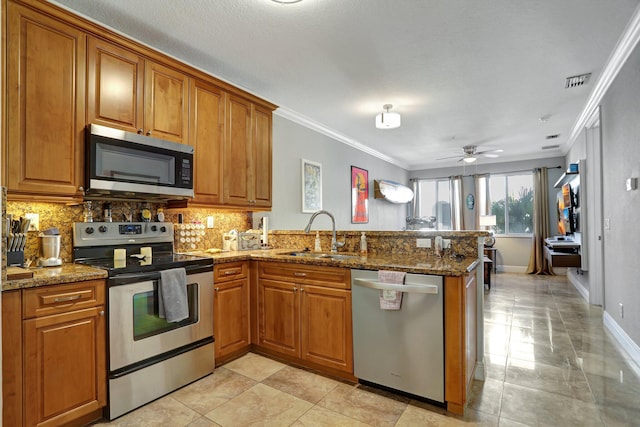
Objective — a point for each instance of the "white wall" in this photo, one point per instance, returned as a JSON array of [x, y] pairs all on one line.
[[293, 142], [620, 126]]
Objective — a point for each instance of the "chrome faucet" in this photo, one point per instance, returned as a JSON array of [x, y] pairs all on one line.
[[334, 243]]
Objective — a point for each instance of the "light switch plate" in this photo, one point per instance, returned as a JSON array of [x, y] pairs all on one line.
[[631, 184], [423, 243], [34, 225], [210, 222], [446, 243]]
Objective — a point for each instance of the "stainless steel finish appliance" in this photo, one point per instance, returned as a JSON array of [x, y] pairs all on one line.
[[399, 349], [148, 356], [121, 163]]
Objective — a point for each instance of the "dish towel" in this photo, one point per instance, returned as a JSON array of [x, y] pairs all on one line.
[[173, 304], [391, 300]]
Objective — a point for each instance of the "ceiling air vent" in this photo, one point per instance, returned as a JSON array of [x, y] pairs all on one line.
[[576, 81], [550, 147], [552, 136]]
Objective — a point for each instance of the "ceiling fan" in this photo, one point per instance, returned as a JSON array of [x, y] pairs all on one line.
[[470, 154]]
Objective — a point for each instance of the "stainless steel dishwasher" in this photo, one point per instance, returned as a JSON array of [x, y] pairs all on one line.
[[399, 349]]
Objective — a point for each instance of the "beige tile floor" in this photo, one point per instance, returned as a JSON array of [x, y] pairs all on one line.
[[549, 362]]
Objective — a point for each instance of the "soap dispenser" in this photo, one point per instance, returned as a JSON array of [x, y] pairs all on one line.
[[363, 244], [318, 246]]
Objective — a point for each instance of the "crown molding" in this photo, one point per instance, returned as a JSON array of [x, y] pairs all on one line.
[[627, 42]]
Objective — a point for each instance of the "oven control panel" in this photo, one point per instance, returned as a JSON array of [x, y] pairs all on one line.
[[114, 233]]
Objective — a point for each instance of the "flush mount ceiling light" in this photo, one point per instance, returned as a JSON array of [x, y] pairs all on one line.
[[286, 1], [388, 120], [469, 158]]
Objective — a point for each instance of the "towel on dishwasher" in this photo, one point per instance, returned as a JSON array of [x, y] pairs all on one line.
[[391, 300], [173, 304]]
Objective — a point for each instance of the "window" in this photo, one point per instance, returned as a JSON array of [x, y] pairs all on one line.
[[512, 203], [435, 201]]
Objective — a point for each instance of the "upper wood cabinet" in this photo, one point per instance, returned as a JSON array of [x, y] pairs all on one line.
[[45, 105], [247, 154], [127, 92], [207, 136], [115, 80]]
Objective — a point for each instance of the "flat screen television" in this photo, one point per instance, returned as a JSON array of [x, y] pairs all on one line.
[[566, 216]]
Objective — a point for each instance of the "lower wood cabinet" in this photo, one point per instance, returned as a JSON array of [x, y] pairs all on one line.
[[63, 355], [304, 314], [231, 311]]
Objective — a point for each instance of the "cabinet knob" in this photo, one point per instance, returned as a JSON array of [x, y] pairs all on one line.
[[217, 289], [101, 313], [141, 131], [81, 188], [148, 133], [295, 289], [301, 289]]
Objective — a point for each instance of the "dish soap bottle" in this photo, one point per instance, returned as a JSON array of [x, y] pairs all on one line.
[[363, 244], [318, 247]]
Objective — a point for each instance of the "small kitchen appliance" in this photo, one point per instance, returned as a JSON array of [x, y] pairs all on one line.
[[148, 356], [49, 249]]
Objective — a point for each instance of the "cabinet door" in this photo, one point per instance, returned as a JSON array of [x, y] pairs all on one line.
[[231, 321], [237, 153], [279, 317], [115, 80], [326, 327], [166, 109], [262, 153], [64, 366], [46, 109], [206, 137]]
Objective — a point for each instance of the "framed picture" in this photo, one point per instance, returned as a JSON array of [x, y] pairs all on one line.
[[311, 186], [359, 195]]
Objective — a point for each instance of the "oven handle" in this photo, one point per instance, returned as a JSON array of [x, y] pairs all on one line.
[[126, 278]]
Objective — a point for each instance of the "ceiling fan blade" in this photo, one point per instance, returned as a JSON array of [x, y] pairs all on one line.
[[491, 156], [450, 157], [496, 150]]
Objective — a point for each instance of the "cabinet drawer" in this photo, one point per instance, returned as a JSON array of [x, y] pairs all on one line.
[[55, 299], [230, 271], [333, 277]]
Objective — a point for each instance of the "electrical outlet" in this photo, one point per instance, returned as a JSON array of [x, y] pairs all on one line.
[[607, 224], [209, 222], [621, 311], [446, 243], [423, 243], [34, 225]]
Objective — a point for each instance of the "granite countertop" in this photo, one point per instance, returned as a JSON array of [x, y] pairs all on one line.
[[66, 273], [419, 264]]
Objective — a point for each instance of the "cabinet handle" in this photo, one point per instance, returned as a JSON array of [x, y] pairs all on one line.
[[230, 272], [141, 131], [101, 313], [69, 298], [298, 274]]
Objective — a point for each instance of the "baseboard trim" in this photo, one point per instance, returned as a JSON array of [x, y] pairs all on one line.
[[625, 341], [511, 269], [575, 281]]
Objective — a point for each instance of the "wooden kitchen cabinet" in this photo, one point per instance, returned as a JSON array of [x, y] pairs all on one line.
[[207, 138], [247, 154], [46, 62], [460, 325], [64, 353], [305, 315], [231, 311], [12, 358], [128, 92]]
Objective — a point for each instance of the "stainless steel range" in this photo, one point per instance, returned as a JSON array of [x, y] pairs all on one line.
[[148, 356]]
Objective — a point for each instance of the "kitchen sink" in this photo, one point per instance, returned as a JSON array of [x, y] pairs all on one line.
[[322, 255]]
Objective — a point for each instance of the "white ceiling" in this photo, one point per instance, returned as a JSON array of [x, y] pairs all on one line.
[[459, 71]]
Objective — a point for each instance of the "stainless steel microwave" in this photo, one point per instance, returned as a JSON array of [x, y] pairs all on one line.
[[126, 164]]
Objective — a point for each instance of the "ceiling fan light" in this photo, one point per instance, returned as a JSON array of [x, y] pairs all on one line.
[[469, 159], [388, 120]]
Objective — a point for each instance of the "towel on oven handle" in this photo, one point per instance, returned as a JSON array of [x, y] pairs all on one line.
[[391, 300], [173, 304]]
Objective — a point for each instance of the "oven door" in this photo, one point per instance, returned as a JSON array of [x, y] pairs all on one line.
[[137, 333]]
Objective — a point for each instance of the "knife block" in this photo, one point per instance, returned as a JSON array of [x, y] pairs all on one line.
[[15, 258]]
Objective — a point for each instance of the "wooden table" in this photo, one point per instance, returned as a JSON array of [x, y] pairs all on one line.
[[487, 271], [492, 253]]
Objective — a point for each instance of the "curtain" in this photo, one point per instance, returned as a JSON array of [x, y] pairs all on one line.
[[538, 264], [457, 203]]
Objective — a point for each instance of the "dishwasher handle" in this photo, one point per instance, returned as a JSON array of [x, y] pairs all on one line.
[[407, 287]]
